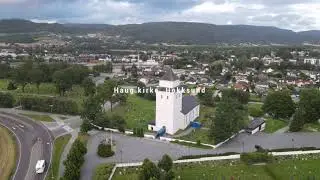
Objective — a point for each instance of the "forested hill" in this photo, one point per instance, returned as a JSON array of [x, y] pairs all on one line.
[[172, 32]]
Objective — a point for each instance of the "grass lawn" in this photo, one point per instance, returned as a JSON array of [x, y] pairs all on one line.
[[206, 113], [137, 111], [198, 134], [311, 127], [38, 117], [59, 145], [255, 109], [273, 125], [254, 98], [102, 172], [302, 167], [8, 153]]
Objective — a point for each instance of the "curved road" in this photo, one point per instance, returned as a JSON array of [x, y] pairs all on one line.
[[34, 141]]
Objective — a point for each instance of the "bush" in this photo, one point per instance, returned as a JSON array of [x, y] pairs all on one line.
[[49, 104], [11, 86], [256, 157], [105, 150], [138, 132], [6, 100]]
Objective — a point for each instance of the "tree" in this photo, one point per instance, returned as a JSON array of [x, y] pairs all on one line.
[[229, 119], [5, 70], [134, 71], [89, 86], [241, 96], [310, 104], [106, 91], [37, 77], [297, 121], [207, 97], [279, 104], [85, 126], [91, 108], [63, 81], [141, 86], [165, 163], [149, 171], [21, 74]]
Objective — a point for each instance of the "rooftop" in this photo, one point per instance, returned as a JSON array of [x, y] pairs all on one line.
[[169, 75], [255, 123], [188, 104]]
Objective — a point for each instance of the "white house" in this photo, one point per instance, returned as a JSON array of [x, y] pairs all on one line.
[[256, 125], [174, 111]]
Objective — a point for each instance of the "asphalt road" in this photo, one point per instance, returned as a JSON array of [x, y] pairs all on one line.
[[34, 141]]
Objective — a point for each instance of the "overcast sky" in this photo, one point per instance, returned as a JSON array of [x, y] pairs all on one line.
[[289, 14]]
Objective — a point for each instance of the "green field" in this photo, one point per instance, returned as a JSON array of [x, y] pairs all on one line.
[[38, 117], [273, 125], [137, 111], [303, 167], [8, 153], [59, 145], [198, 134]]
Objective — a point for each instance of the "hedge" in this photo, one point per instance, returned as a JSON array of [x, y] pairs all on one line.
[[49, 104], [256, 157], [6, 100]]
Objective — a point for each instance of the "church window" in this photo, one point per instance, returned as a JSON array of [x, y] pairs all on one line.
[[167, 97], [161, 97]]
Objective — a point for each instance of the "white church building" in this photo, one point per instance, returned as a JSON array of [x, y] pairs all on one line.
[[174, 111]]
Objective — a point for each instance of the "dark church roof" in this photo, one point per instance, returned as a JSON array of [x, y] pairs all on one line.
[[169, 75], [188, 104], [255, 123]]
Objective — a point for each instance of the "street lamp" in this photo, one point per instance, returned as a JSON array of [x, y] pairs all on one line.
[[120, 155], [242, 146]]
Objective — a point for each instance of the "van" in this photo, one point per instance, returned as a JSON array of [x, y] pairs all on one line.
[[40, 166]]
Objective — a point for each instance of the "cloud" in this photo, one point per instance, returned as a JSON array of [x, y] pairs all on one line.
[[292, 14]]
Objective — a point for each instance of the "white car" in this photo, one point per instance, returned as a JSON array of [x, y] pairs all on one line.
[[40, 166]]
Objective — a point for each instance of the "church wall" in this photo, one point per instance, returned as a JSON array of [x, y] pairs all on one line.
[[169, 84]]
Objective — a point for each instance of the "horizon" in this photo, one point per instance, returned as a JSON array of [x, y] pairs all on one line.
[[195, 22], [295, 15]]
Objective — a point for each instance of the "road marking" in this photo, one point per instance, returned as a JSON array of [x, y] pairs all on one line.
[[20, 149]]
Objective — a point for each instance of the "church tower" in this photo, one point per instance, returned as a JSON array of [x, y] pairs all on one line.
[[168, 103]]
